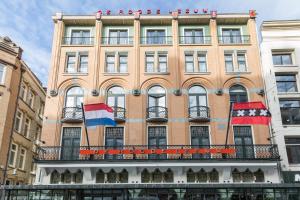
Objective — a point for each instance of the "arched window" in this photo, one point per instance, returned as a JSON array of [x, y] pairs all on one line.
[[259, 176], [146, 176], [247, 176], [123, 176], [116, 97], [74, 97], [236, 176], [213, 176], [190, 175], [55, 177], [78, 176], [168, 176], [100, 176], [202, 176], [156, 96], [66, 177], [112, 176], [197, 96], [157, 176], [238, 93]]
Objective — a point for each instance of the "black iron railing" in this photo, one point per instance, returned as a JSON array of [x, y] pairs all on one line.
[[195, 39], [78, 40], [72, 114], [157, 112], [199, 112], [119, 113], [234, 39], [117, 40], [156, 40], [162, 152]]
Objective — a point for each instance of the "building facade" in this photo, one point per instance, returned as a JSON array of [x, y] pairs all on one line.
[[24, 97], [170, 80], [280, 50]]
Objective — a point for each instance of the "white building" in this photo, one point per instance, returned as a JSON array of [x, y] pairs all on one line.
[[280, 52]]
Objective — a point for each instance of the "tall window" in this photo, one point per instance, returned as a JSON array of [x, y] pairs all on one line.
[[241, 61], [290, 111], [22, 158], [30, 98], [162, 62], [156, 97], [116, 100], [282, 59], [2, 70], [193, 36], [118, 37], [202, 62], [149, 62], [231, 36], [13, 154], [114, 139], [70, 145], [238, 94], [26, 127], [83, 63], [157, 138], [74, 97], [156, 36], [197, 96], [123, 59], [293, 149], [23, 92], [116, 62], [110, 63], [200, 138], [286, 83], [18, 122], [189, 62], [80, 37], [243, 141], [71, 63], [229, 62]]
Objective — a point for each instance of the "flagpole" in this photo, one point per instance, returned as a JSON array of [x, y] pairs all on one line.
[[228, 124], [86, 132]]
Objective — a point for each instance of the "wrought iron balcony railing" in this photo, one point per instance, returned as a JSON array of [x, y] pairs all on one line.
[[119, 114], [78, 40], [162, 152], [234, 39], [157, 113], [199, 113], [117, 40], [156, 40], [72, 114], [195, 39]]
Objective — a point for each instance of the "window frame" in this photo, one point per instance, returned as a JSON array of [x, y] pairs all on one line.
[[118, 30], [30, 98], [193, 29], [15, 155], [2, 78], [295, 82], [148, 54], [162, 54], [235, 61], [27, 133], [199, 54], [281, 53], [283, 107], [122, 54], [156, 30], [80, 55], [293, 145], [24, 158], [190, 62], [18, 129]]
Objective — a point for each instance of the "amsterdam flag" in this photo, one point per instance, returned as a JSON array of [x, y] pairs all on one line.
[[250, 113]]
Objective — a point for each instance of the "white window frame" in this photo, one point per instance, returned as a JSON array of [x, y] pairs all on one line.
[[157, 69], [28, 128], [24, 158], [24, 89], [2, 79], [280, 52], [116, 29], [30, 92], [15, 155], [18, 129], [235, 63]]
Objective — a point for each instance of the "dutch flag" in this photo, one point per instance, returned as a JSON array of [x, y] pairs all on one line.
[[99, 114]]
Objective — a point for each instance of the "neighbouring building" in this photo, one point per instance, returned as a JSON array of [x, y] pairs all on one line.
[[280, 52], [22, 102], [170, 80]]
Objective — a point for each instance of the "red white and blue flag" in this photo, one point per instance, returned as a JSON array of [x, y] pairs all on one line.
[[99, 114], [250, 113]]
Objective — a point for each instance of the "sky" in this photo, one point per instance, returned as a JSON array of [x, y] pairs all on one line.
[[28, 22]]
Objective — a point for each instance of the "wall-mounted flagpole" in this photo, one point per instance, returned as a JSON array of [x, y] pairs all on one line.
[[86, 132], [228, 124]]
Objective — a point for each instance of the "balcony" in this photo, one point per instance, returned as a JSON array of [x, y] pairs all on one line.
[[157, 114], [78, 41], [115, 41], [234, 39], [72, 115], [157, 40], [194, 40], [119, 114], [199, 114], [263, 152]]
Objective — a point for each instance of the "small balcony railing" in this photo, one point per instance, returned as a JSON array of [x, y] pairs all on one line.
[[78, 41], [157, 114], [195, 39], [119, 114], [162, 152], [156, 40], [199, 113], [117, 40], [234, 39], [72, 114]]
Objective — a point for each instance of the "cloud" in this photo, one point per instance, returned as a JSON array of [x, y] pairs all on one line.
[[28, 22]]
